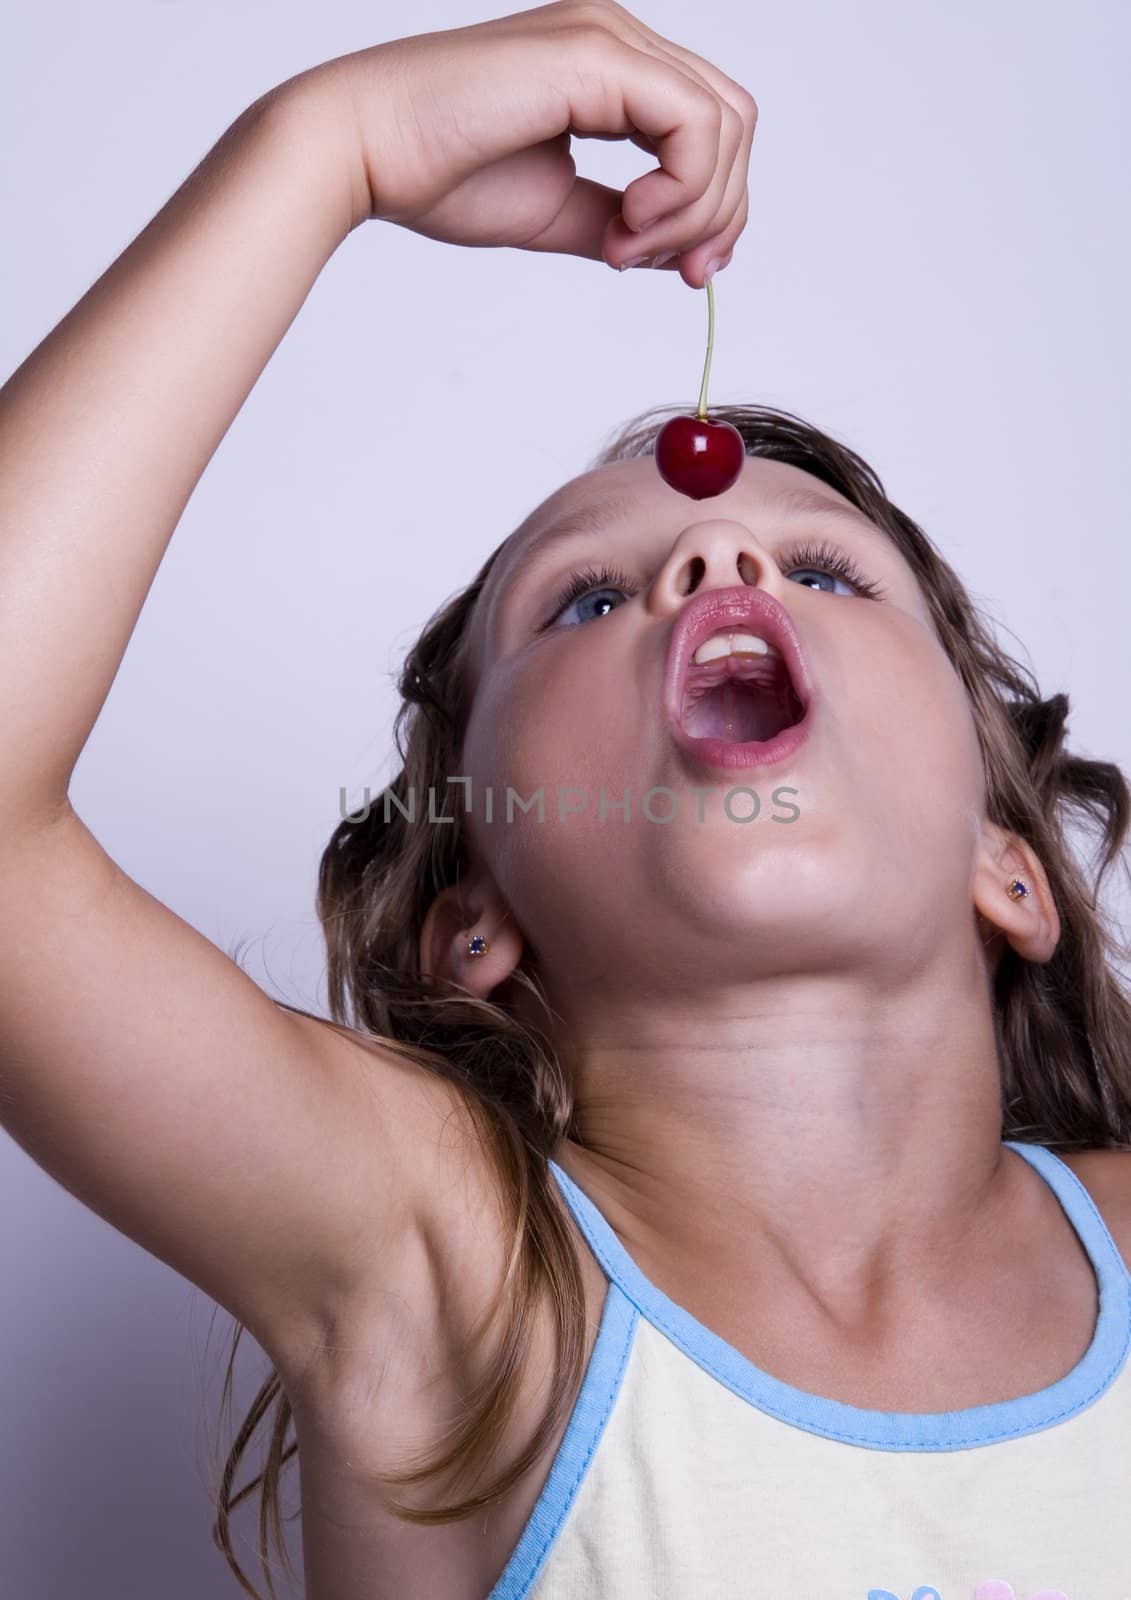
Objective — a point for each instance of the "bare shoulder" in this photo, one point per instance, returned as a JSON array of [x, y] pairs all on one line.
[[401, 1185], [1106, 1174], [411, 1348], [424, 1225], [436, 1137], [413, 1340]]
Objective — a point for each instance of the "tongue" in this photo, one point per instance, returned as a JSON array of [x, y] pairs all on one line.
[[736, 712]]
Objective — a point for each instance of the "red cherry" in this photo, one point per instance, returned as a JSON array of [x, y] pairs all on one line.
[[698, 457]]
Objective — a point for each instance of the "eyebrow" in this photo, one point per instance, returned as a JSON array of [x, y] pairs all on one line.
[[601, 514]]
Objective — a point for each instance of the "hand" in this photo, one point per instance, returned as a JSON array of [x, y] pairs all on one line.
[[465, 136]]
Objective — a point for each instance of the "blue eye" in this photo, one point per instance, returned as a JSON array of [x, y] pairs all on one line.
[[590, 584], [825, 559]]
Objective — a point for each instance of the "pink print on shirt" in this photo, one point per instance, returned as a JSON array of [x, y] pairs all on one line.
[[991, 1589]]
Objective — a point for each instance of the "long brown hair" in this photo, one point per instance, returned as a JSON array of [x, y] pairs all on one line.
[[1063, 1028]]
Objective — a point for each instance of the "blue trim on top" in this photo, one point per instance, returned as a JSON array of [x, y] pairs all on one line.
[[603, 1375], [895, 1430]]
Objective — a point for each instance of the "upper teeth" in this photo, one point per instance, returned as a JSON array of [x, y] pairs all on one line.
[[733, 644]]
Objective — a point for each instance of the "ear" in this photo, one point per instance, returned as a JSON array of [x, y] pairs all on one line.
[[474, 907], [1030, 924]]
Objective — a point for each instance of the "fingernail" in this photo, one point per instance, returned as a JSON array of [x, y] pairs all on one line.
[[637, 261], [658, 261], [712, 268]]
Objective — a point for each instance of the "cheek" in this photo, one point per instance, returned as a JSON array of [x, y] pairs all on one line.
[[918, 750], [557, 726], [561, 719]]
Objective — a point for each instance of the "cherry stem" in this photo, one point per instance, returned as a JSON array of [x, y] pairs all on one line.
[[701, 411]]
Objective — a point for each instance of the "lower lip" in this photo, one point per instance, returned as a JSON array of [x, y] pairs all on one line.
[[754, 753]]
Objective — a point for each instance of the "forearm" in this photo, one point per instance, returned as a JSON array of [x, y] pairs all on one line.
[[107, 426]]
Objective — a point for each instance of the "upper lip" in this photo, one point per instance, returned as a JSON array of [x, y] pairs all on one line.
[[746, 607]]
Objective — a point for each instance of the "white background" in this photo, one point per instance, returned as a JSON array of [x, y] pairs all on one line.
[[934, 271]]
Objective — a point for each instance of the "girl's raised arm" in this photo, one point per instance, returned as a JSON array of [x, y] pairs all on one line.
[[260, 1153]]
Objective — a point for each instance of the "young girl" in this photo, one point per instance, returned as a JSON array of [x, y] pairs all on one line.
[[670, 1208]]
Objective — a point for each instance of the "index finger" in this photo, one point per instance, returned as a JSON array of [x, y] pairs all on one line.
[[729, 89], [675, 110], [730, 211]]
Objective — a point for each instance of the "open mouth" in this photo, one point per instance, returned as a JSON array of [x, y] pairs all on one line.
[[738, 692], [739, 699]]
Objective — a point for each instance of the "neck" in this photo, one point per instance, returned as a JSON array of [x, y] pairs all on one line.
[[808, 1131]]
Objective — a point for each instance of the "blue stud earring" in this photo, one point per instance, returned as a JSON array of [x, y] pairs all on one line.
[[478, 946], [1017, 889]]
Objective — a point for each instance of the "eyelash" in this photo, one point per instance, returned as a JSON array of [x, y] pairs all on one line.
[[818, 557]]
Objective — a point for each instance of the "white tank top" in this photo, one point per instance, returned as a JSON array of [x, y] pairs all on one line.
[[688, 1473]]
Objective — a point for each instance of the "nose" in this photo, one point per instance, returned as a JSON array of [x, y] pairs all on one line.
[[717, 554]]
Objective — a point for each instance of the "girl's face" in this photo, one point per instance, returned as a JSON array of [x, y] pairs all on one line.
[[860, 855]]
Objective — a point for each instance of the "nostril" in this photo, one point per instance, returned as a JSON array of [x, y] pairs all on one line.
[[696, 572]]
